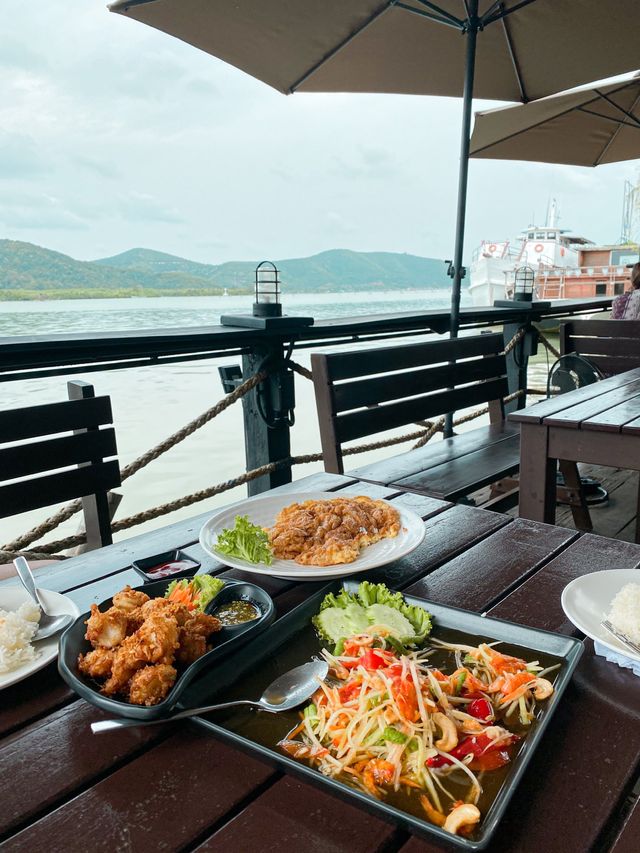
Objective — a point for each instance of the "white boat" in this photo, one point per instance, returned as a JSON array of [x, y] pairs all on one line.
[[543, 248]]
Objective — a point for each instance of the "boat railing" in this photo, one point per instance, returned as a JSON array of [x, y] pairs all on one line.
[[265, 381]]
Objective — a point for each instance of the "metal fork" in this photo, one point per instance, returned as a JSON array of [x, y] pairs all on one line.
[[623, 639]]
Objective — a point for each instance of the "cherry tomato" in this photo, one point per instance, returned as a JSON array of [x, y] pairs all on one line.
[[480, 709], [371, 660], [490, 760], [349, 691]]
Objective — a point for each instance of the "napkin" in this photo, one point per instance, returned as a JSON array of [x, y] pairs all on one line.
[[617, 657]]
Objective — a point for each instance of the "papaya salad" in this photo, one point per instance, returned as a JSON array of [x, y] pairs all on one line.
[[386, 720]]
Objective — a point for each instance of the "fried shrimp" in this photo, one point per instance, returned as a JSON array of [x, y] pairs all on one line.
[[156, 640], [129, 599], [151, 684], [161, 607], [330, 532], [139, 642], [96, 663], [106, 629]]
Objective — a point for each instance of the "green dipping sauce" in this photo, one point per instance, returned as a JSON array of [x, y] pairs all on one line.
[[236, 612]]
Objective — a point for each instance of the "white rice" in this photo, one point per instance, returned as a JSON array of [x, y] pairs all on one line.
[[625, 611], [17, 629]]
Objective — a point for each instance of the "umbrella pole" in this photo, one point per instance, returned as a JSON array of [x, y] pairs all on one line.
[[457, 270]]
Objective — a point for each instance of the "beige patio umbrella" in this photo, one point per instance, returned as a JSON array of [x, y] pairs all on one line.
[[588, 127], [526, 49]]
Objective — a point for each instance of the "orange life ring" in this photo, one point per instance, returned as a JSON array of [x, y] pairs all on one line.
[[492, 247], [538, 247]]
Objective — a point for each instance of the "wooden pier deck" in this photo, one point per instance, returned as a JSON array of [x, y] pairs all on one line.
[[615, 519]]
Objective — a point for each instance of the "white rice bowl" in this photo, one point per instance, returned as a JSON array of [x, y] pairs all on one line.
[[625, 612], [17, 630]]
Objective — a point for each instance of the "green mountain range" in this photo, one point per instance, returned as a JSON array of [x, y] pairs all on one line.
[[32, 272]]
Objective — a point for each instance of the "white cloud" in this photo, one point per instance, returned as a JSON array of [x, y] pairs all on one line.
[[143, 140]]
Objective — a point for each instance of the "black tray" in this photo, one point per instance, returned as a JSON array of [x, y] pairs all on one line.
[[258, 662], [72, 643]]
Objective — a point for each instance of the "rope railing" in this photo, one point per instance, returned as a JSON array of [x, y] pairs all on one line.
[[49, 550]]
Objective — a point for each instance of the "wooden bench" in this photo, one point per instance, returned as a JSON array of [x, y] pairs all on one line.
[[613, 346], [77, 460], [369, 391]]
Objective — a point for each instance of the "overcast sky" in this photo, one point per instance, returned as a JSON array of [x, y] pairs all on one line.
[[114, 135]]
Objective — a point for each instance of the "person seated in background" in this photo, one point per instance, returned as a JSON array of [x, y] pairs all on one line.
[[627, 305]]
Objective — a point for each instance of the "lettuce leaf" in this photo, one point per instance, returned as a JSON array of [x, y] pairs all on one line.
[[245, 540], [367, 595]]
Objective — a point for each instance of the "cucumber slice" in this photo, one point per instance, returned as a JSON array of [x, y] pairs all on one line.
[[399, 625], [338, 622]]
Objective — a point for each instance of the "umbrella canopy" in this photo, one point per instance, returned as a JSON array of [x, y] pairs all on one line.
[[526, 49], [516, 50], [589, 127]]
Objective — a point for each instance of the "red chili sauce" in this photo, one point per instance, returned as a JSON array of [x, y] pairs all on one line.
[[172, 567]]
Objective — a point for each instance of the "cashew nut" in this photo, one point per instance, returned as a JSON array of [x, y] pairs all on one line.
[[543, 688], [449, 737], [464, 815]]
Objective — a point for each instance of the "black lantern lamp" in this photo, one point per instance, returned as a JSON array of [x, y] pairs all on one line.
[[267, 302], [524, 285], [524, 281], [267, 308]]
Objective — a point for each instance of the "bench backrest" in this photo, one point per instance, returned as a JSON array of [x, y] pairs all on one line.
[[73, 438], [612, 345], [368, 391]]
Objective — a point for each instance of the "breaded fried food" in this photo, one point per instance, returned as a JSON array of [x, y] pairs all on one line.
[[191, 646], [126, 662], [106, 629], [192, 638], [137, 641], [96, 663], [331, 532], [156, 639], [151, 684], [129, 599], [163, 607], [203, 624]]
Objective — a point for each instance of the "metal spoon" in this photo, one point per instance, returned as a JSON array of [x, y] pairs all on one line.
[[48, 625], [286, 692]]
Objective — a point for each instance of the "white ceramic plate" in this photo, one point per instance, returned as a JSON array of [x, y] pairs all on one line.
[[11, 597], [263, 511], [587, 601]]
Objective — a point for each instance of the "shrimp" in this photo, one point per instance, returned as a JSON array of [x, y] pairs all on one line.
[[377, 770]]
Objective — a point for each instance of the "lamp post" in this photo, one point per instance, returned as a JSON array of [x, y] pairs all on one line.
[[268, 408], [267, 307]]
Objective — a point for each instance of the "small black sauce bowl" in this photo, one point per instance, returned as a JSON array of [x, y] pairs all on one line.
[[240, 592], [225, 642], [147, 564]]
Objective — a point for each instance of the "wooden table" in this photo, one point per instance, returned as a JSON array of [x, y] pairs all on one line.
[[599, 423], [177, 787]]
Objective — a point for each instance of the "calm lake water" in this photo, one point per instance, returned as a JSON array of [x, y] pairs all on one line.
[[149, 403]]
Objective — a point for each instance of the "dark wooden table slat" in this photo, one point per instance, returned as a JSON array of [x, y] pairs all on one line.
[[536, 412], [572, 417]]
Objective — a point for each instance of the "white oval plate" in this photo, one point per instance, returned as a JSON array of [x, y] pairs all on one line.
[[263, 511], [587, 601], [11, 597]]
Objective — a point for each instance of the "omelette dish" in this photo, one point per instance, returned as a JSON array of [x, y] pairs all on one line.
[[140, 642], [330, 532]]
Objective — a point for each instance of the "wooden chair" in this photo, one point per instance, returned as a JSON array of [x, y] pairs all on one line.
[[365, 392], [611, 345], [86, 447]]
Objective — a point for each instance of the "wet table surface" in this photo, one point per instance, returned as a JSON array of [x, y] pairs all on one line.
[[177, 787]]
